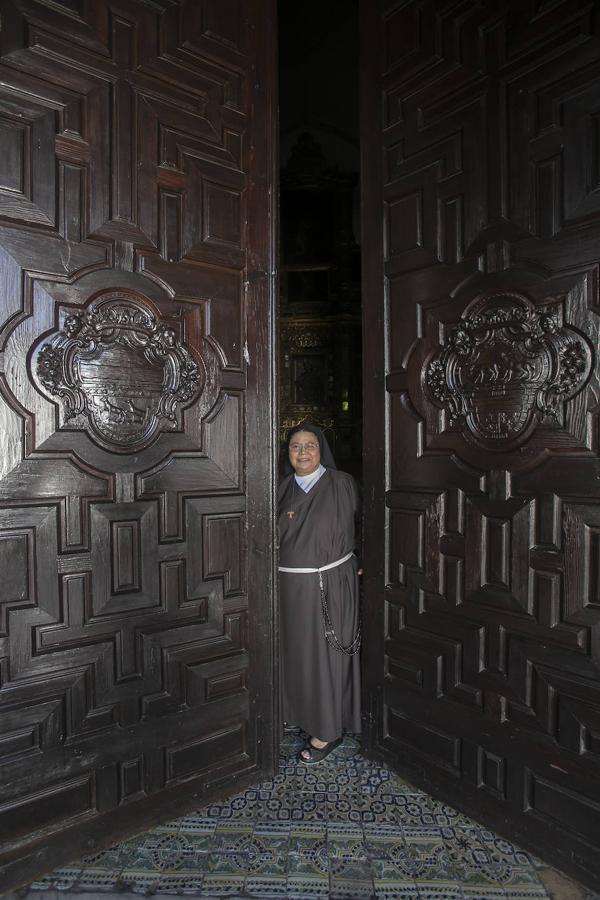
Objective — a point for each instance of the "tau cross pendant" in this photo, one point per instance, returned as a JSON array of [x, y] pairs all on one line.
[[290, 514]]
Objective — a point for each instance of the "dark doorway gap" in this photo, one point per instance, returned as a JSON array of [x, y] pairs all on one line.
[[319, 306]]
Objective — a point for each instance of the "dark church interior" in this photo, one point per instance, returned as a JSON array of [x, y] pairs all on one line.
[[320, 360], [220, 219]]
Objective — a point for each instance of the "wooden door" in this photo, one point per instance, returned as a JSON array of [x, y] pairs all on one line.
[[481, 206], [136, 460]]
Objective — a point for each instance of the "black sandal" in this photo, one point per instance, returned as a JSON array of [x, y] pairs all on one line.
[[317, 754]]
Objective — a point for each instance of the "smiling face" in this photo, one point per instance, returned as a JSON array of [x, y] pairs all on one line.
[[304, 453]]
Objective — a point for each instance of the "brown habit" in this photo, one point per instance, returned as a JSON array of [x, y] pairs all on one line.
[[321, 685]]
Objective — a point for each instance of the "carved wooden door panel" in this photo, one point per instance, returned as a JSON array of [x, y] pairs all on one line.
[[481, 177], [136, 144]]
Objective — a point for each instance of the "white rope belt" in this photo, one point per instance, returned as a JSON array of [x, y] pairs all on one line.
[[307, 571]]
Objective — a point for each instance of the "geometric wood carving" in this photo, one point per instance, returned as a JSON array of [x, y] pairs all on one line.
[[481, 220], [128, 414]]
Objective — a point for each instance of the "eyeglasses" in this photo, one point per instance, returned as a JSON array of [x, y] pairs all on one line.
[[309, 445]]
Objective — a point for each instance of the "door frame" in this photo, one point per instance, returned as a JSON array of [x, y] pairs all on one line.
[[262, 325], [375, 426]]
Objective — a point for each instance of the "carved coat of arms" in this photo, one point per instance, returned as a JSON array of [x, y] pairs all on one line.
[[120, 370], [505, 367]]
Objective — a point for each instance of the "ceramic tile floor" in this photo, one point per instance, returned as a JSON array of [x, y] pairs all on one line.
[[344, 828]]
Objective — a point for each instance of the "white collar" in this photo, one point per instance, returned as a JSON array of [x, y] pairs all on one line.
[[308, 481]]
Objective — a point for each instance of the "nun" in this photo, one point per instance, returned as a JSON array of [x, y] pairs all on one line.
[[319, 528]]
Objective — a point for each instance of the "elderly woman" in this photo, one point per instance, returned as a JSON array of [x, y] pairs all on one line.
[[319, 513]]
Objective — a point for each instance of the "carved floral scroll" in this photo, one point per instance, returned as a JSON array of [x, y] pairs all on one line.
[[504, 368], [120, 370]]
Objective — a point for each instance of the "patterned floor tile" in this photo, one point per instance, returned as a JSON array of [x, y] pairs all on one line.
[[347, 850], [222, 864], [532, 893], [313, 862], [96, 879], [223, 885], [304, 807], [301, 806], [343, 828], [163, 847], [299, 830], [502, 850], [423, 856], [229, 835], [303, 841], [351, 885], [266, 886], [383, 841], [265, 857], [375, 781], [417, 810], [343, 831], [178, 884], [275, 830], [473, 861], [352, 890], [504, 876], [386, 871], [298, 783], [246, 808], [395, 890], [440, 892], [483, 893], [61, 880], [349, 869], [304, 887], [143, 877], [199, 835]]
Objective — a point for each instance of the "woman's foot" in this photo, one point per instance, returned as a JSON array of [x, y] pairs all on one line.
[[317, 750]]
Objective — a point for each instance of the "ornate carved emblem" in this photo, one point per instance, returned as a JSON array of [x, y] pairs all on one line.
[[120, 370], [505, 367]]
